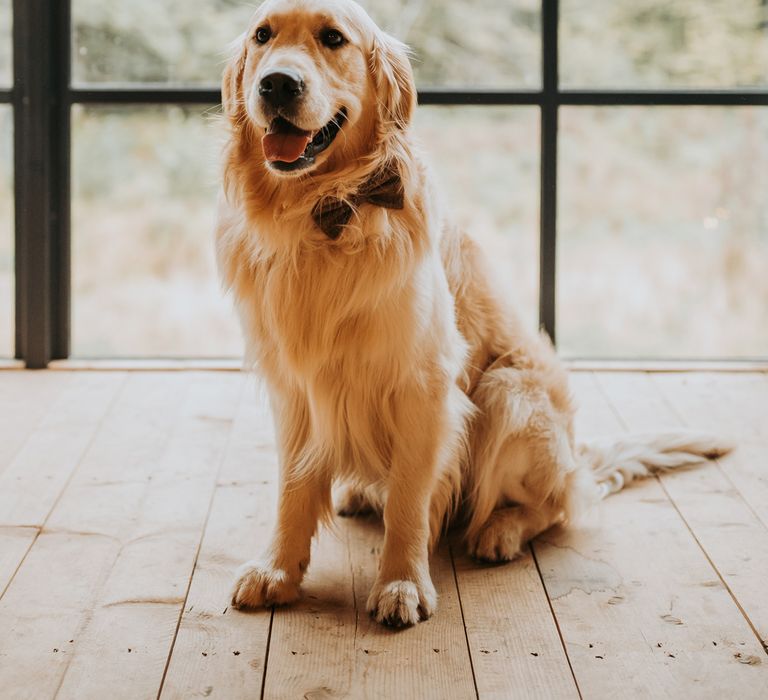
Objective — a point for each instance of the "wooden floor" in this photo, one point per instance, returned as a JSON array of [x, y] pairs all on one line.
[[127, 499]]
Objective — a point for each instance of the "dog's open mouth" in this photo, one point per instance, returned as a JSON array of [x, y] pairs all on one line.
[[286, 147]]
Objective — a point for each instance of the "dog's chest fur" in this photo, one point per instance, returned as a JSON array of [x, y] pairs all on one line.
[[347, 332]]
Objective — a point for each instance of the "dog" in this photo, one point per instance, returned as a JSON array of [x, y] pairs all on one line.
[[396, 372]]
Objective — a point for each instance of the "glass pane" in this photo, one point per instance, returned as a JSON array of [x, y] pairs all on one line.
[[486, 163], [144, 277], [657, 43], [663, 232], [6, 54], [154, 41], [6, 233], [486, 43]]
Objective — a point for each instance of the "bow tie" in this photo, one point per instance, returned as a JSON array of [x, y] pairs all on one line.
[[384, 189]]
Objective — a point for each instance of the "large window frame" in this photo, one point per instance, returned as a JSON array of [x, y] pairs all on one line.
[[42, 97]]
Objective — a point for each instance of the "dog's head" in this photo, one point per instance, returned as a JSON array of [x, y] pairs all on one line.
[[317, 84]]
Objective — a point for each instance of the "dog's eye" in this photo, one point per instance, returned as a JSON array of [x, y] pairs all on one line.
[[263, 35], [332, 38]]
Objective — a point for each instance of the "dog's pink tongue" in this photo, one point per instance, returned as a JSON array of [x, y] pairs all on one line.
[[285, 145]]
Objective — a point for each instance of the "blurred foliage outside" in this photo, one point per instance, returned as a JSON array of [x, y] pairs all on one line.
[[663, 221], [663, 232], [626, 43], [486, 42], [5, 43], [657, 43]]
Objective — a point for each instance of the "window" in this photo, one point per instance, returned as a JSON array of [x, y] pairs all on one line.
[[663, 239], [610, 156], [496, 199], [159, 42], [494, 44], [653, 44], [144, 281]]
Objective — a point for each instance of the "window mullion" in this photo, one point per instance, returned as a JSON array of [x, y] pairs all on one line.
[[41, 33], [548, 166]]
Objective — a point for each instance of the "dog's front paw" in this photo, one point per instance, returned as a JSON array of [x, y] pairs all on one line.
[[402, 603], [498, 541], [259, 586]]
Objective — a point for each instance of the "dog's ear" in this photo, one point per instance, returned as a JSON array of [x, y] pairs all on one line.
[[232, 82], [395, 84]]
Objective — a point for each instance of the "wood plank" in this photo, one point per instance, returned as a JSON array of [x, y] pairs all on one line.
[[53, 592], [96, 525], [14, 545], [33, 480], [748, 392], [732, 536], [135, 364], [634, 598], [218, 652], [43, 609], [594, 416], [516, 648], [312, 651], [110, 483], [720, 366], [736, 407], [25, 398], [739, 401], [328, 646], [405, 662], [133, 622]]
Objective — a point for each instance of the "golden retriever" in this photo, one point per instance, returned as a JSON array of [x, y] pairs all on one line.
[[394, 367]]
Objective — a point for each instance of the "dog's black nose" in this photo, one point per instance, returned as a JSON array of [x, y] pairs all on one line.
[[281, 87]]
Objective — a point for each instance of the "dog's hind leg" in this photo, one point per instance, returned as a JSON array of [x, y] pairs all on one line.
[[504, 535], [523, 476]]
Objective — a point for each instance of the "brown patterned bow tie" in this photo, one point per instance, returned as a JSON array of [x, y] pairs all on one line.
[[384, 189]]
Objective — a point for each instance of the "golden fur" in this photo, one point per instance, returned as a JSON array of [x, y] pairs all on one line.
[[393, 365]]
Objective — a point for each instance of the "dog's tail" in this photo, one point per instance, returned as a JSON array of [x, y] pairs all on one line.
[[616, 463]]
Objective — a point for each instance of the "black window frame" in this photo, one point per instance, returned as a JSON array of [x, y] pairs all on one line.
[[42, 97]]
